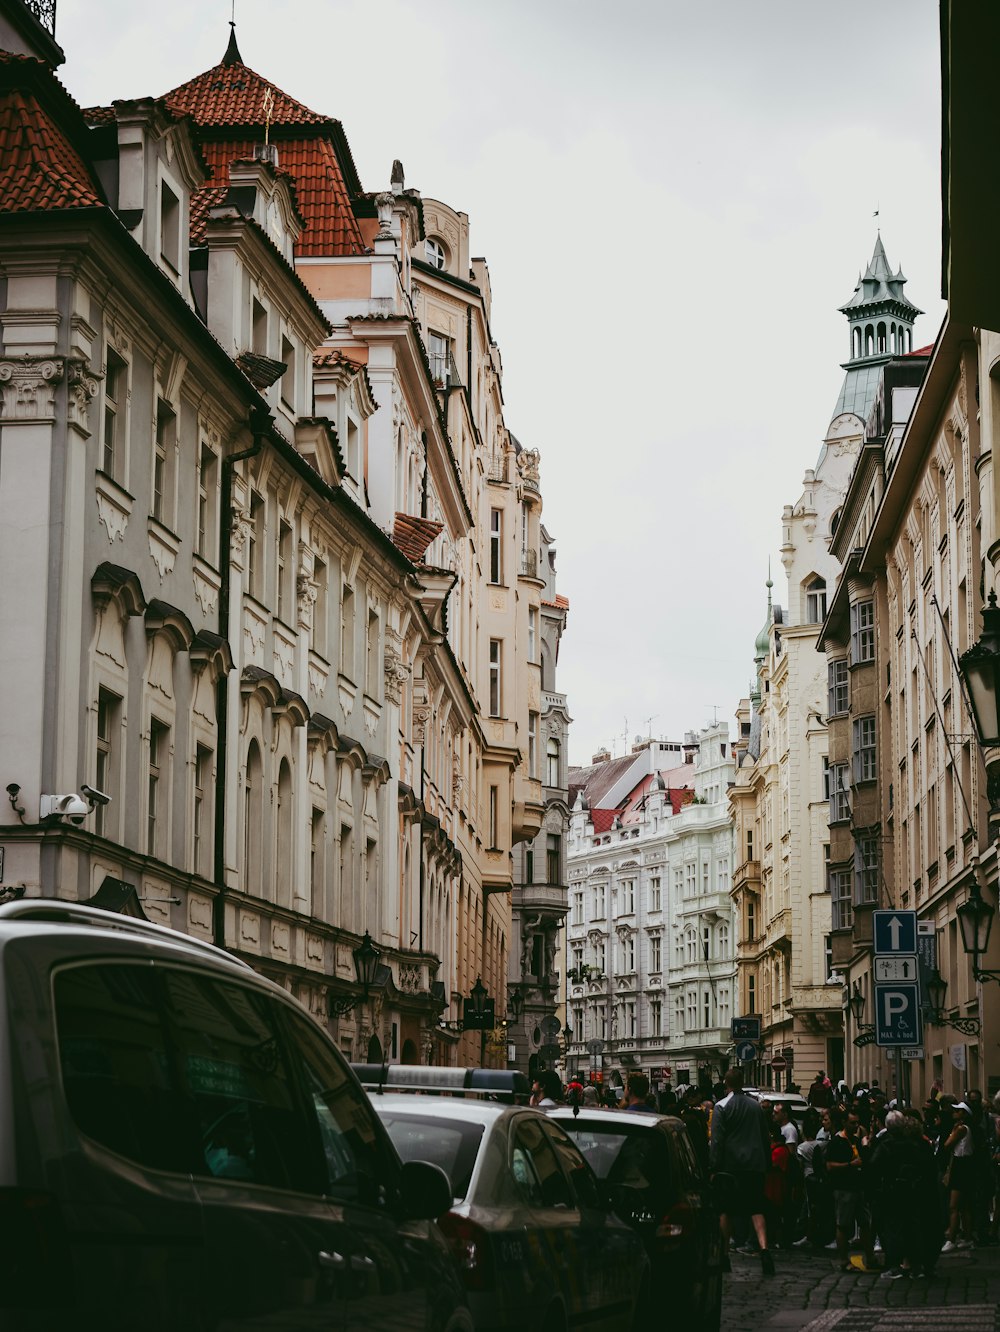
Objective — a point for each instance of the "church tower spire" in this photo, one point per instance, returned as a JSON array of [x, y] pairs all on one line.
[[880, 319]]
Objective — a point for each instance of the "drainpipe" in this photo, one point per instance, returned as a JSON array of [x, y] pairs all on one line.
[[260, 427], [423, 484]]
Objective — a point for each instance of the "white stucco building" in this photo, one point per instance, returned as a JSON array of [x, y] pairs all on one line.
[[651, 946]]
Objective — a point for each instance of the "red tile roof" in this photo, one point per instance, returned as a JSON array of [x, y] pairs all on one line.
[[922, 351], [39, 168], [230, 97], [560, 603], [602, 819], [413, 535]]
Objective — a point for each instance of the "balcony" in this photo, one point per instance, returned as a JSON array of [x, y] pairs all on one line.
[[552, 898], [529, 564], [45, 12], [552, 700]]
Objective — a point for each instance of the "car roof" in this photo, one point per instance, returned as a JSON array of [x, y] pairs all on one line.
[[469, 1110], [590, 1115], [92, 925]]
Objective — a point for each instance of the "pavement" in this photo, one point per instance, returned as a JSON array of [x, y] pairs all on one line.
[[808, 1293]]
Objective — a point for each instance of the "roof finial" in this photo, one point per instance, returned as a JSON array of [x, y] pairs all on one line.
[[232, 56]]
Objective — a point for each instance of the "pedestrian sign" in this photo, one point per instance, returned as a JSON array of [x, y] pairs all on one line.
[[746, 1028], [897, 1013], [894, 931]]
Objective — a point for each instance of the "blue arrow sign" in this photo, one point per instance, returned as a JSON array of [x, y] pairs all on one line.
[[894, 931], [746, 1051], [897, 1013]]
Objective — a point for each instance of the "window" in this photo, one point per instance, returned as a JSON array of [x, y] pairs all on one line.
[[434, 252], [283, 812], [656, 1017], [529, 862], [837, 687], [164, 445], [816, 601], [577, 955], [630, 1027], [201, 822], [866, 871], [353, 460], [347, 631], [655, 957], [840, 805], [255, 547], [494, 814], [655, 895], [170, 227], [317, 861], [628, 897], [862, 631], [751, 993], [751, 920], [864, 749], [679, 1014], [600, 957], [321, 577], [553, 858], [285, 571], [115, 391], [724, 1007], [628, 954], [533, 633], [532, 744], [690, 945], [372, 657], [259, 328], [207, 472], [288, 377], [253, 819], [552, 763], [749, 844], [690, 880], [106, 767], [157, 788], [496, 546], [840, 896], [600, 902], [495, 694], [706, 1008], [692, 1010], [437, 354], [578, 908]]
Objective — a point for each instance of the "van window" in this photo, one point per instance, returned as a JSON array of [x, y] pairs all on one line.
[[179, 1070], [357, 1162]]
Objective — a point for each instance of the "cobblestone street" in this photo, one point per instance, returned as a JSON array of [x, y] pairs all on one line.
[[808, 1294]]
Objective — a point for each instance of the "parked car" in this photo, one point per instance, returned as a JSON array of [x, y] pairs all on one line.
[[537, 1240], [181, 1146], [797, 1105], [657, 1186]]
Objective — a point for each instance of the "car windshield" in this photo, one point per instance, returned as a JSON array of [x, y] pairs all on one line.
[[451, 1144], [634, 1161]]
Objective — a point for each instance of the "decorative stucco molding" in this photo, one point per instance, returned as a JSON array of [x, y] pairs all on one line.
[[28, 384], [83, 385]]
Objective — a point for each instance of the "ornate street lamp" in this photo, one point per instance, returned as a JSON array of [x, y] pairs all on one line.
[[516, 1003], [857, 1005], [477, 998], [980, 666], [366, 971], [975, 920], [937, 988]]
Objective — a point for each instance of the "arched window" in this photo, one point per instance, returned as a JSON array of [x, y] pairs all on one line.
[[816, 601], [723, 940], [869, 340], [253, 819], [552, 763], [434, 252], [881, 338], [856, 343], [283, 842]]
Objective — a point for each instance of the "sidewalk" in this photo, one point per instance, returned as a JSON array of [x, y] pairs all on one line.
[[809, 1294]]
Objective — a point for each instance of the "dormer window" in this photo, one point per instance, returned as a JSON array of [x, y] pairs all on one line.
[[434, 253], [170, 227]]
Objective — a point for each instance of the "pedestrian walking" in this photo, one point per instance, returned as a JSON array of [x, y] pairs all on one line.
[[843, 1165], [960, 1180], [740, 1153]]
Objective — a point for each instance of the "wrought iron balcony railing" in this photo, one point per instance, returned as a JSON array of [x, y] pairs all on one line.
[[45, 12]]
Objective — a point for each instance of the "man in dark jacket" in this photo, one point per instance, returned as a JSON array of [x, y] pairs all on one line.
[[740, 1155]]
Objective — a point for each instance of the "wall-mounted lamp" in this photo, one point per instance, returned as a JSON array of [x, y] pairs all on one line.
[[366, 971], [937, 989]]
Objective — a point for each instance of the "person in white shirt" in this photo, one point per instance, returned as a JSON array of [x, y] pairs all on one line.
[[788, 1130]]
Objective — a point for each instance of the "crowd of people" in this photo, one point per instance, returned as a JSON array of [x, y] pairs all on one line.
[[902, 1183], [857, 1170]]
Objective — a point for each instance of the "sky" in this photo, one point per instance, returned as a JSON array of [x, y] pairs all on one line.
[[674, 199]]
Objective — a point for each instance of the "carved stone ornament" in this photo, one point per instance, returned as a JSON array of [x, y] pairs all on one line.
[[395, 674], [421, 716], [306, 591], [384, 202], [239, 534], [409, 978], [28, 385], [82, 391], [530, 459]]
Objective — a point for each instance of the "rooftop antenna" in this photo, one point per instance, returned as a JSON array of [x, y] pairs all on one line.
[[715, 712], [649, 725]]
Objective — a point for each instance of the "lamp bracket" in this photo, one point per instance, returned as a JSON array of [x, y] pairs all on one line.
[[968, 1026], [979, 974]]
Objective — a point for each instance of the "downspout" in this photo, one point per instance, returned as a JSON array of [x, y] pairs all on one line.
[[468, 354], [423, 484], [260, 425]]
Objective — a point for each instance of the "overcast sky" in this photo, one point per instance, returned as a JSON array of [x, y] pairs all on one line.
[[674, 199]]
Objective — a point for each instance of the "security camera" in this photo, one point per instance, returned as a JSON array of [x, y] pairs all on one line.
[[72, 807], [95, 797]]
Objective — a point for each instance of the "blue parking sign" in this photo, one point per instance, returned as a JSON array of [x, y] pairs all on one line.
[[894, 932], [897, 1013]]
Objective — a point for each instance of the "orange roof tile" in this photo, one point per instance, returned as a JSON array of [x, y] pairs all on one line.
[[413, 535], [232, 94], [330, 225], [39, 169]]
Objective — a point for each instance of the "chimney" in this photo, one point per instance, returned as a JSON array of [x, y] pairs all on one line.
[[601, 756]]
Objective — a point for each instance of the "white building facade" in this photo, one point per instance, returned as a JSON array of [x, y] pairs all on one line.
[[651, 944]]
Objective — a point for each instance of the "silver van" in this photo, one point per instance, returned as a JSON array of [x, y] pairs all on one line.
[[181, 1146]]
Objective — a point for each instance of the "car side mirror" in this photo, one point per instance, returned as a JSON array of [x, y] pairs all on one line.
[[424, 1191]]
